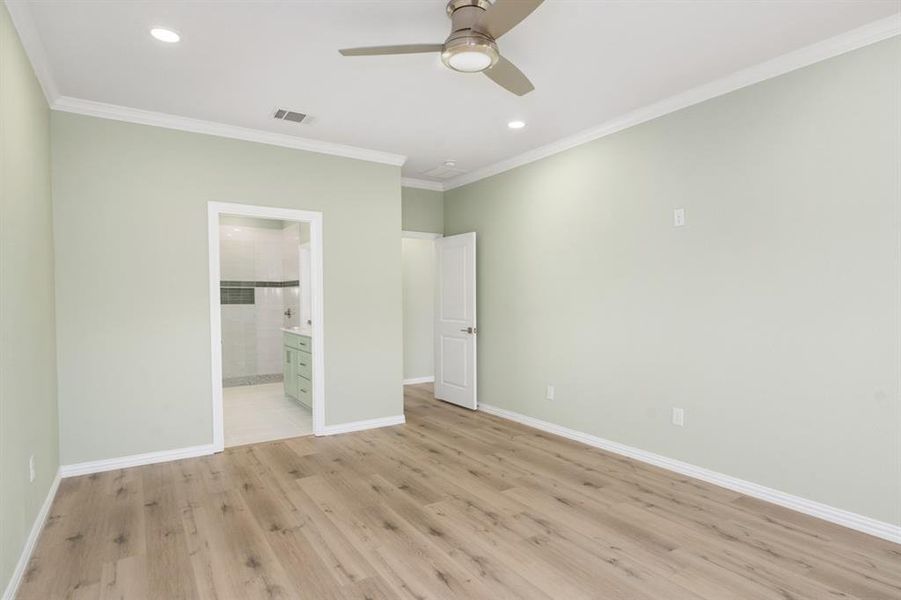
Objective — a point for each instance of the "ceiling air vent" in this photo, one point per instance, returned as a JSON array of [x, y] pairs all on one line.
[[289, 115], [442, 172]]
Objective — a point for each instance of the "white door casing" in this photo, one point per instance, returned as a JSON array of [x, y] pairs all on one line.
[[306, 298], [214, 211], [455, 320]]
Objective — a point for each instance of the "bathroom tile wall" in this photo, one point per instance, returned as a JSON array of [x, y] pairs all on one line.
[[263, 256], [291, 238], [269, 322]]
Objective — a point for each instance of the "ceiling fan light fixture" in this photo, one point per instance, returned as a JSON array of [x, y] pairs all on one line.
[[470, 54], [469, 61], [471, 46]]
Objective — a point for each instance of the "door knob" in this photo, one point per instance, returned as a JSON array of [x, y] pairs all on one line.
[[470, 330]]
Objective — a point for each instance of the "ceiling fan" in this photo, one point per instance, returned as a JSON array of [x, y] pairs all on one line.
[[471, 46]]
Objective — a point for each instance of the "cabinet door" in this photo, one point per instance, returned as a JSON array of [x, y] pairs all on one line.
[[304, 364], [290, 372]]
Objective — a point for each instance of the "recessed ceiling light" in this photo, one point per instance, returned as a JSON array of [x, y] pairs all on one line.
[[165, 35], [450, 163], [516, 124]]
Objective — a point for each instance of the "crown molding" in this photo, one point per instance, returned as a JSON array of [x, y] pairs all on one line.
[[20, 15], [823, 50], [422, 184], [31, 41], [156, 119], [840, 44]]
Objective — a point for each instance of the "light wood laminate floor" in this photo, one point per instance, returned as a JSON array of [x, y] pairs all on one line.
[[453, 504]]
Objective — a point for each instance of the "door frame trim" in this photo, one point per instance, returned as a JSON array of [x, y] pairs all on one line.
[[314, 219], [420, 235]]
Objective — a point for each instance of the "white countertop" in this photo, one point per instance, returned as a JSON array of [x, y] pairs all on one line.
[[306, 331]]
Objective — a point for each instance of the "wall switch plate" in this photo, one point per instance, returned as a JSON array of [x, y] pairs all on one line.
[[32, 474], [678, 217], [550, 392], [679, 417]]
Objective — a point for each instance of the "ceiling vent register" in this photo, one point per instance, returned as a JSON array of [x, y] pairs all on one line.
[[443, 172], [282, 114]]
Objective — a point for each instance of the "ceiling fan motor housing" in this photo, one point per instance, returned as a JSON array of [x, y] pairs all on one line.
[[471, 46], [467, 49]]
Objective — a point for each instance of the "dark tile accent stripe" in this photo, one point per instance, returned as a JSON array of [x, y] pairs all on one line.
[[256, 284], [237, 296]]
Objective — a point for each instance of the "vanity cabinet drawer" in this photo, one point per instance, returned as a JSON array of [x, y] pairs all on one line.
[[291, 340], [305, 391], [304, 343], [298, 368], [304, 364], [298, 342]]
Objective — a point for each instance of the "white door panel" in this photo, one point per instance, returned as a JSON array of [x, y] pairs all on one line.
[[454, 349], [455, 320], [453, 296]]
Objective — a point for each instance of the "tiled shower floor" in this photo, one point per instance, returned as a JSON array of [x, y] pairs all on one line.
[[259, 413]]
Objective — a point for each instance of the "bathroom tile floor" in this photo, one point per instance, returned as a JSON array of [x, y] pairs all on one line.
[[258, 413]]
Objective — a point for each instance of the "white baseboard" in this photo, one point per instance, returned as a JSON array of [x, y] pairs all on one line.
[[135, 460], [32, 540], [832, 514], [149, 458], [416, 380], [361, 425]]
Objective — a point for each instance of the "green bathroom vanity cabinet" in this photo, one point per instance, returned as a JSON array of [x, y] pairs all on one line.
[[298, 348]]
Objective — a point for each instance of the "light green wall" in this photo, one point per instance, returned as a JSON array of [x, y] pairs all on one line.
[[28, 412], [130, 210], [772, 317], [423, 210], [419, 307]]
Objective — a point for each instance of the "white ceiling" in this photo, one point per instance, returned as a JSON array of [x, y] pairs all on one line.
[[590, 60]]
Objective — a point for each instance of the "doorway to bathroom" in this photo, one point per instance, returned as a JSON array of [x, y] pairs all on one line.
[[266, 323]]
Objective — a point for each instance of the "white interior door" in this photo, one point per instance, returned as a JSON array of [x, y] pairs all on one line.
[[455, 320]]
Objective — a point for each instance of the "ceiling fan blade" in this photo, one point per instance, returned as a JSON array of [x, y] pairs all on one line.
[[505, 74], [504, 15], [399, 49]]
